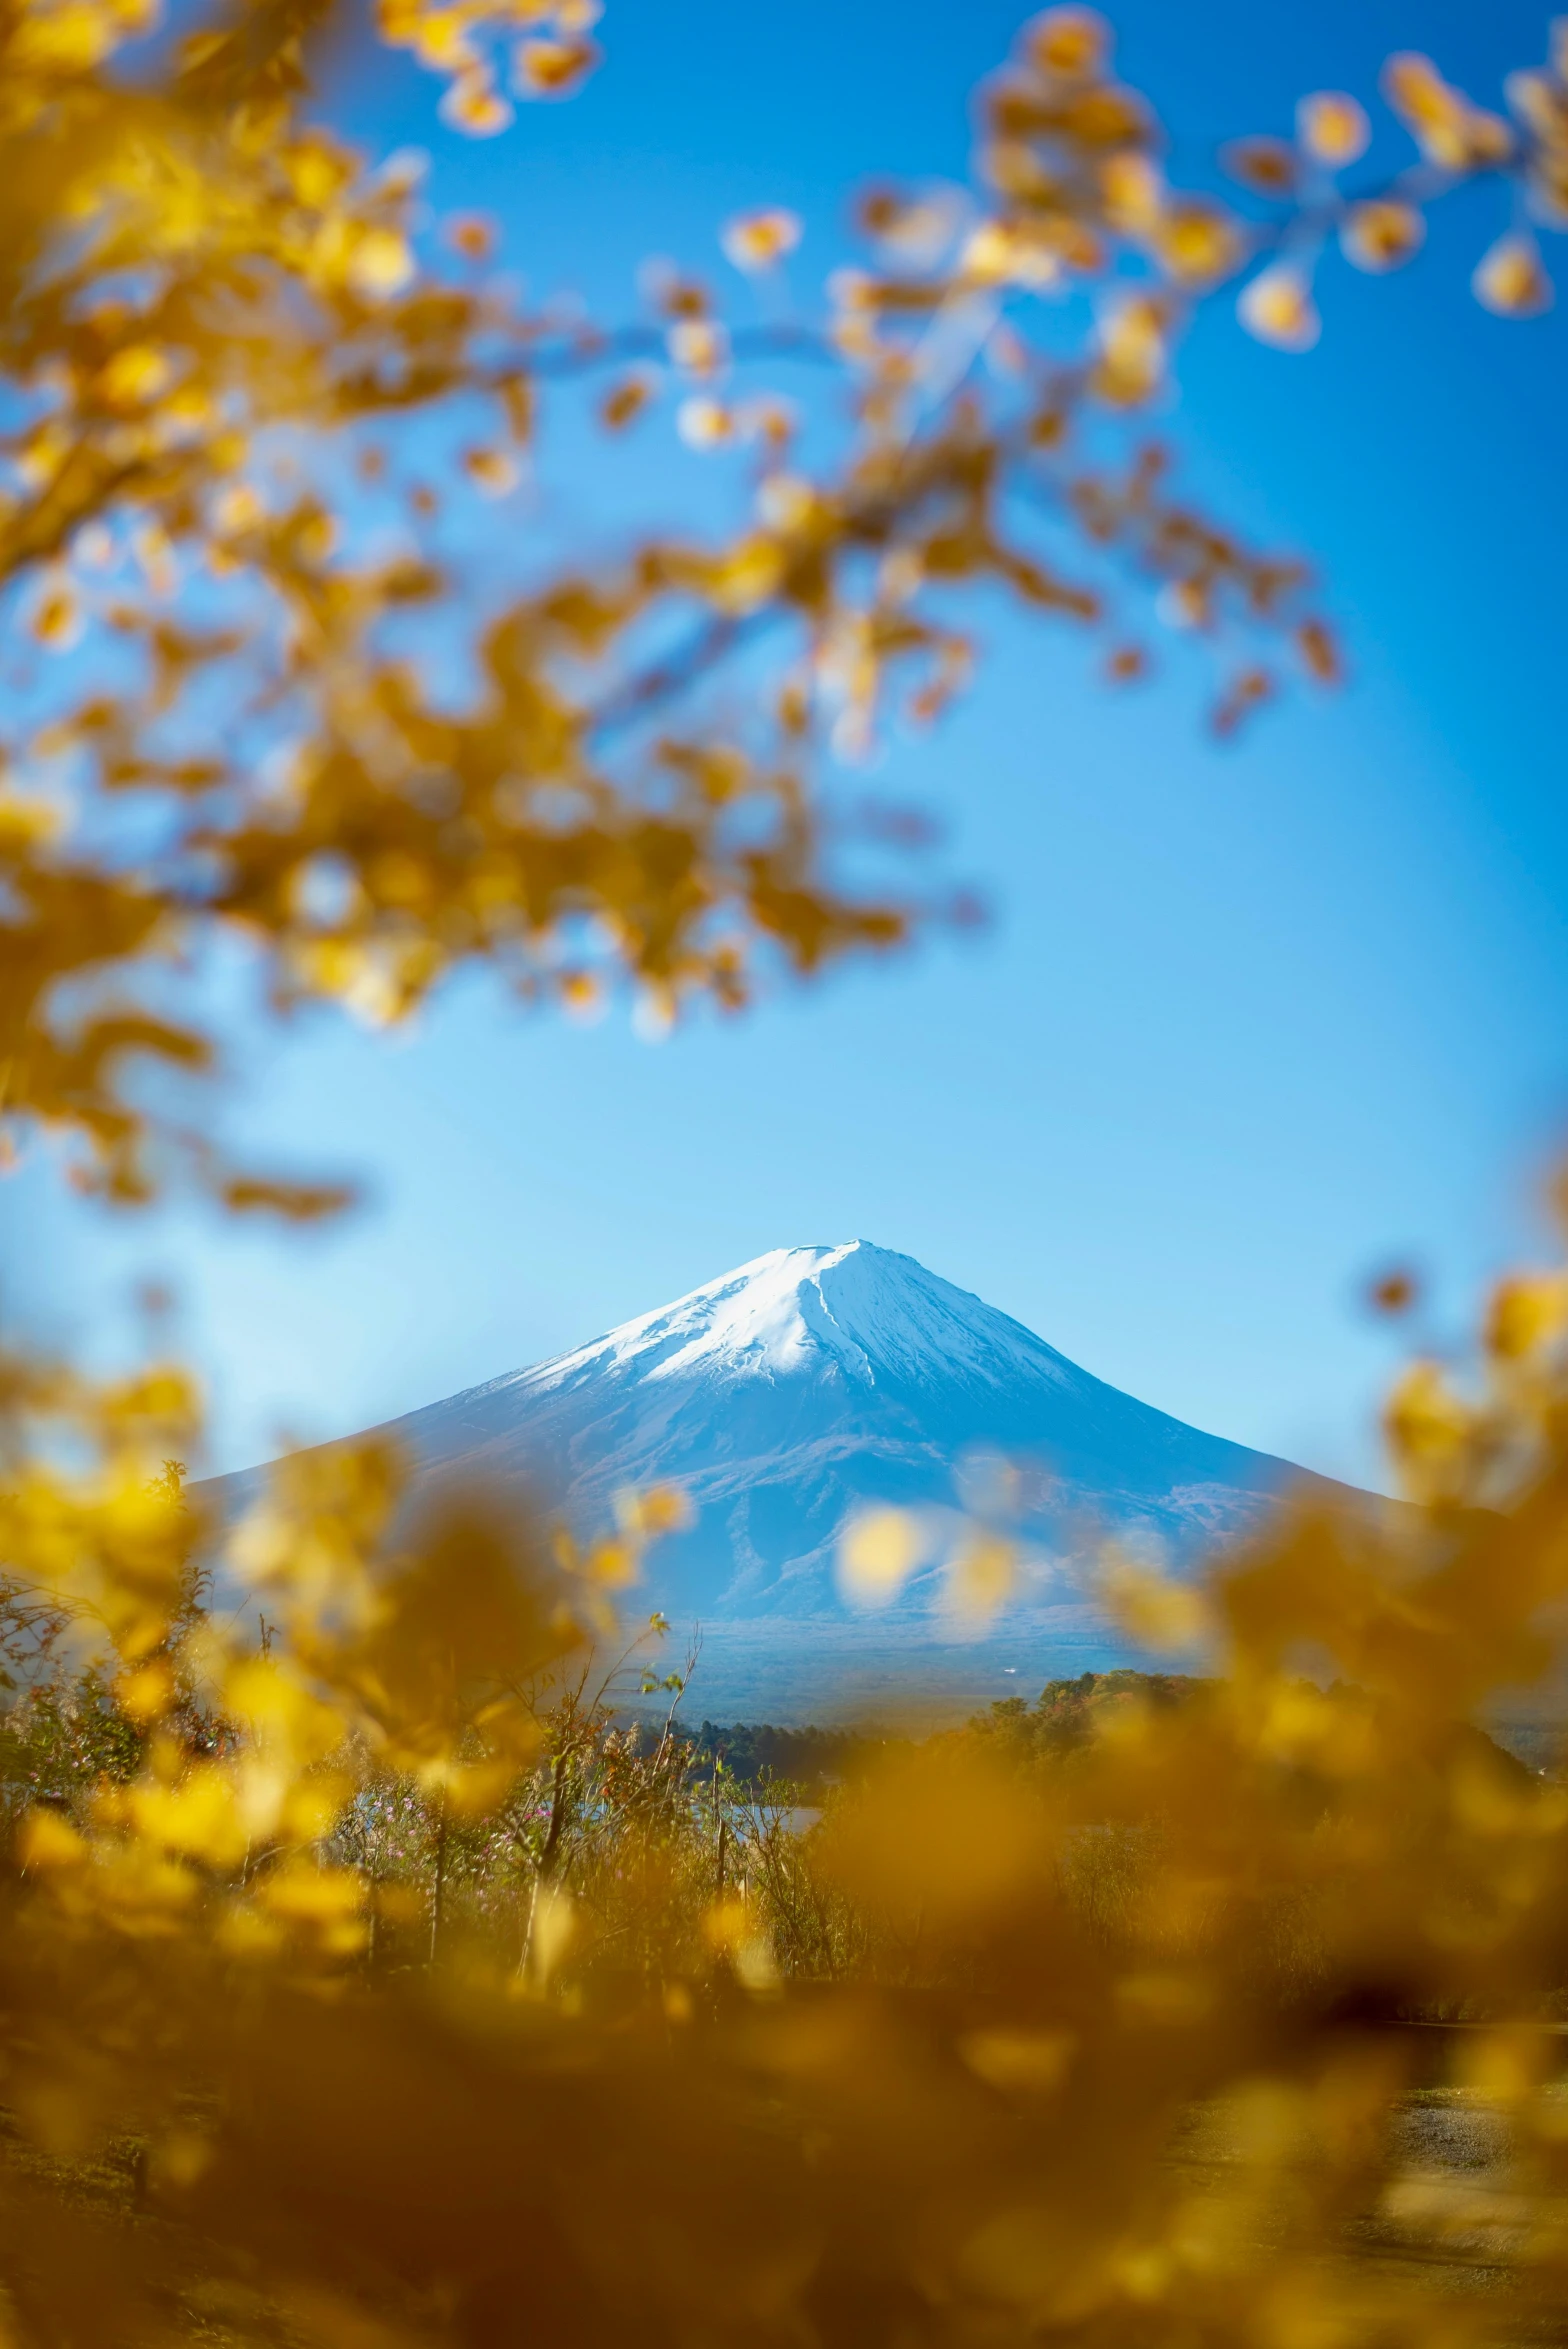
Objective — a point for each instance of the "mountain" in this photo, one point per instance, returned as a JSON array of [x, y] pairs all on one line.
[[796, 1392]]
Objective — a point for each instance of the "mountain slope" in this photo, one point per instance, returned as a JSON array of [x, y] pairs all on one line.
[[815, 1382]]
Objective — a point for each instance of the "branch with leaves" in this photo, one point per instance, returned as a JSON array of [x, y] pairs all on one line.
[[263, 411]]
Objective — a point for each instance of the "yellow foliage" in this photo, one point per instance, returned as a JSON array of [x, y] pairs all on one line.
[[1122, 2048], [159, 422]]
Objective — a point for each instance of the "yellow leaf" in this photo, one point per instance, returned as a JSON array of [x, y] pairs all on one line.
[[46, 1839], [1382, 233], [1069, 44], [878, 1552], [1033, 2062], [1510, 280], [543, 68], [1332, 128], [474, 105], [756, 241], [135, 375], [1277, 307], [1198, 242], [380, 263], [492, 470], [1526, 1313]]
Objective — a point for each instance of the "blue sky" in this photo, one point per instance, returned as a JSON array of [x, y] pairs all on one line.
[[1247, 1021]]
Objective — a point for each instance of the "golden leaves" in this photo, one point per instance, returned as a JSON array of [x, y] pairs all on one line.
[[1527, 1314], [547, 46], [1449, 130], [1164, 1935], [1428, 1428], [153, 441], [51, 38], [1123, 1933]]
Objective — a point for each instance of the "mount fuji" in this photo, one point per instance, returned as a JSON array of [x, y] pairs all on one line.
[[791, 1395]]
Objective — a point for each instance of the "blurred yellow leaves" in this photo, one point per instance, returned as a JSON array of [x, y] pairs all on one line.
[[1527, 1314], [542, 49], [547, 68], [1277, 306], [756, 241], [157, 431], [1159, 1613], [1449, 130], [1133, 350], [1332, 129], [1509, 278], [1069, 45], [382, 1942], [1030, 2063], [878, 1552], [1382, 234], [1124, 2023]]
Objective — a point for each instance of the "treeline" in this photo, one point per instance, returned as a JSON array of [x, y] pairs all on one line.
[[810, 1761]]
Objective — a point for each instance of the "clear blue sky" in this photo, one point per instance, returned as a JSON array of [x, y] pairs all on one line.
[[1247, 1021]]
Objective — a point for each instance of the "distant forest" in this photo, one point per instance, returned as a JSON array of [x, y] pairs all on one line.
[[809, 1760]]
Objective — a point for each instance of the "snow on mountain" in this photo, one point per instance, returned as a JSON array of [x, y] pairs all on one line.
[[854, 1311], [805, 1387]]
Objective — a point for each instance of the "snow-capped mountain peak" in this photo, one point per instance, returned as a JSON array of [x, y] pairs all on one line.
[[792, 1394], [853, 1310]]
